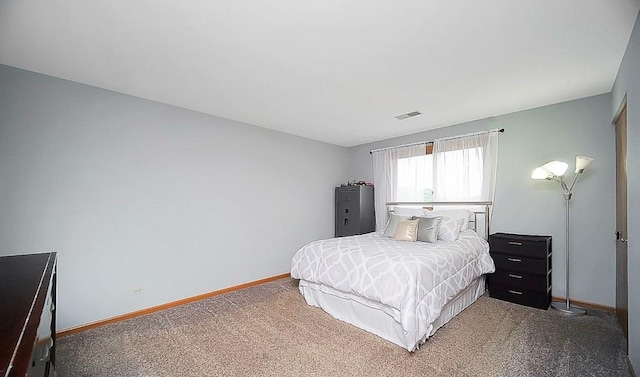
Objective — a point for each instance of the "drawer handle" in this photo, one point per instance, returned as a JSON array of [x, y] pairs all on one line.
[[514, 260], [515, 243], [515, 292], [515, 276]]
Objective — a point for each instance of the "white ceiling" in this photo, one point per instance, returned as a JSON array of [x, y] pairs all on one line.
[[332, 70]]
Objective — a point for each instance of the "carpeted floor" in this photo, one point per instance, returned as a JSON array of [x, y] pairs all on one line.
[[268, 330]]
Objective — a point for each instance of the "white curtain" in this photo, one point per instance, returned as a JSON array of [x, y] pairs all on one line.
[[464, 168], [385, 177]]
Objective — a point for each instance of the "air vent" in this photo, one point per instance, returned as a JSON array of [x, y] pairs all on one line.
[[408, 115]]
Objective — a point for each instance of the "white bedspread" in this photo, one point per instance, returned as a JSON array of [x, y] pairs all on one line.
[[413, 279]]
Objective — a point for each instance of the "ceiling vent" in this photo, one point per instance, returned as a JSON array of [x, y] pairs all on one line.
[[407, 115]]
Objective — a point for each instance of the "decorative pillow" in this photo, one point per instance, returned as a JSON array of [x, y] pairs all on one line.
[[459, 215], [428, 229], [449, 229], [408, 211], [406, 230], [390, 230]]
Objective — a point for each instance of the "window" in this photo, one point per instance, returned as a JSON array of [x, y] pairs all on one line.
[[460, 168], [460, 175], [415, 179], [460, 179]]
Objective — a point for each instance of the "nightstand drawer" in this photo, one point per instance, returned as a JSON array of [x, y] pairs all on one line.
[[540, 300], [520, 264], [523, 245], [520, 280]]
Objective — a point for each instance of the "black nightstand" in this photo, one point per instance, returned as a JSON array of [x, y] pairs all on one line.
[[523, 269]]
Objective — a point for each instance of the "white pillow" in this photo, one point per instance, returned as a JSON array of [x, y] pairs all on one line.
[[449, 229], [390, 230], [409, 211], [461, 216]]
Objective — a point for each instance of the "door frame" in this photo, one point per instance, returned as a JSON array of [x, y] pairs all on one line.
[[622, 284]]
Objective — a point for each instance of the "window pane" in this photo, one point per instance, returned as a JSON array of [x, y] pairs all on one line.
[[460, 175], [415, 179]]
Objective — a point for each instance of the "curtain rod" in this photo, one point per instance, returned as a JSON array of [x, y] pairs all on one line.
[[431, 142]]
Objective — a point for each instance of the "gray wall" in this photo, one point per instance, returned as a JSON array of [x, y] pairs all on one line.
[[628, 83], [522, 205], [136, 194]]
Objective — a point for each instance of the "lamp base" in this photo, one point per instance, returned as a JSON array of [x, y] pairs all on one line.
[[571, 311]]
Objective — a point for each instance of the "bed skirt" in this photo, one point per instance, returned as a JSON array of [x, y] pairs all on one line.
[[380, 319]]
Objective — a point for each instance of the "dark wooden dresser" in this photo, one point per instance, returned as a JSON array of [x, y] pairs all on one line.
[[523, 269], [27, 315]]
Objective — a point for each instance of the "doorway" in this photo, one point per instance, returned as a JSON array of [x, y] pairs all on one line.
[[622, 285]]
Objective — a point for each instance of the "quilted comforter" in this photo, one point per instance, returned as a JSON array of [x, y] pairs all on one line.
[[414, 280]]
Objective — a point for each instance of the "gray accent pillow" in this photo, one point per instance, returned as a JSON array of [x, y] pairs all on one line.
[[428, 229], [390, 230]]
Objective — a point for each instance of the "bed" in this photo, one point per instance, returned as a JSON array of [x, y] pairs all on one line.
[[400, 290]]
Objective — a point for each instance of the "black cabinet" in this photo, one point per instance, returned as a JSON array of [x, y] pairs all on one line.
[[354, 210], [523, 269]]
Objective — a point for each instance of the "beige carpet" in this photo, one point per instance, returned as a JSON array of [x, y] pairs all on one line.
[[268, 330]]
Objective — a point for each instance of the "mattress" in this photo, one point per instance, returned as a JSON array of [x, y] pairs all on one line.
[[410, 282]]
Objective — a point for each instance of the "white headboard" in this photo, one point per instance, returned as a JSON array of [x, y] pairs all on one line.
[[481, 212]]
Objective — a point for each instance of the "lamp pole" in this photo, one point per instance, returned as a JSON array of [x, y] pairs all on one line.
[[567, 248]]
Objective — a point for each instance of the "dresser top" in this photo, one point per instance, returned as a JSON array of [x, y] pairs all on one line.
[[521, 237], [20, 279]]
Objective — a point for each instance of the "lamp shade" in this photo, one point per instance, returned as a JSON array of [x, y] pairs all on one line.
[[582, 162], [541, 173], [557, 168]]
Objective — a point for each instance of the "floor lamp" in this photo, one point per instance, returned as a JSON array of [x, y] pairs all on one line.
[[555, 170]]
